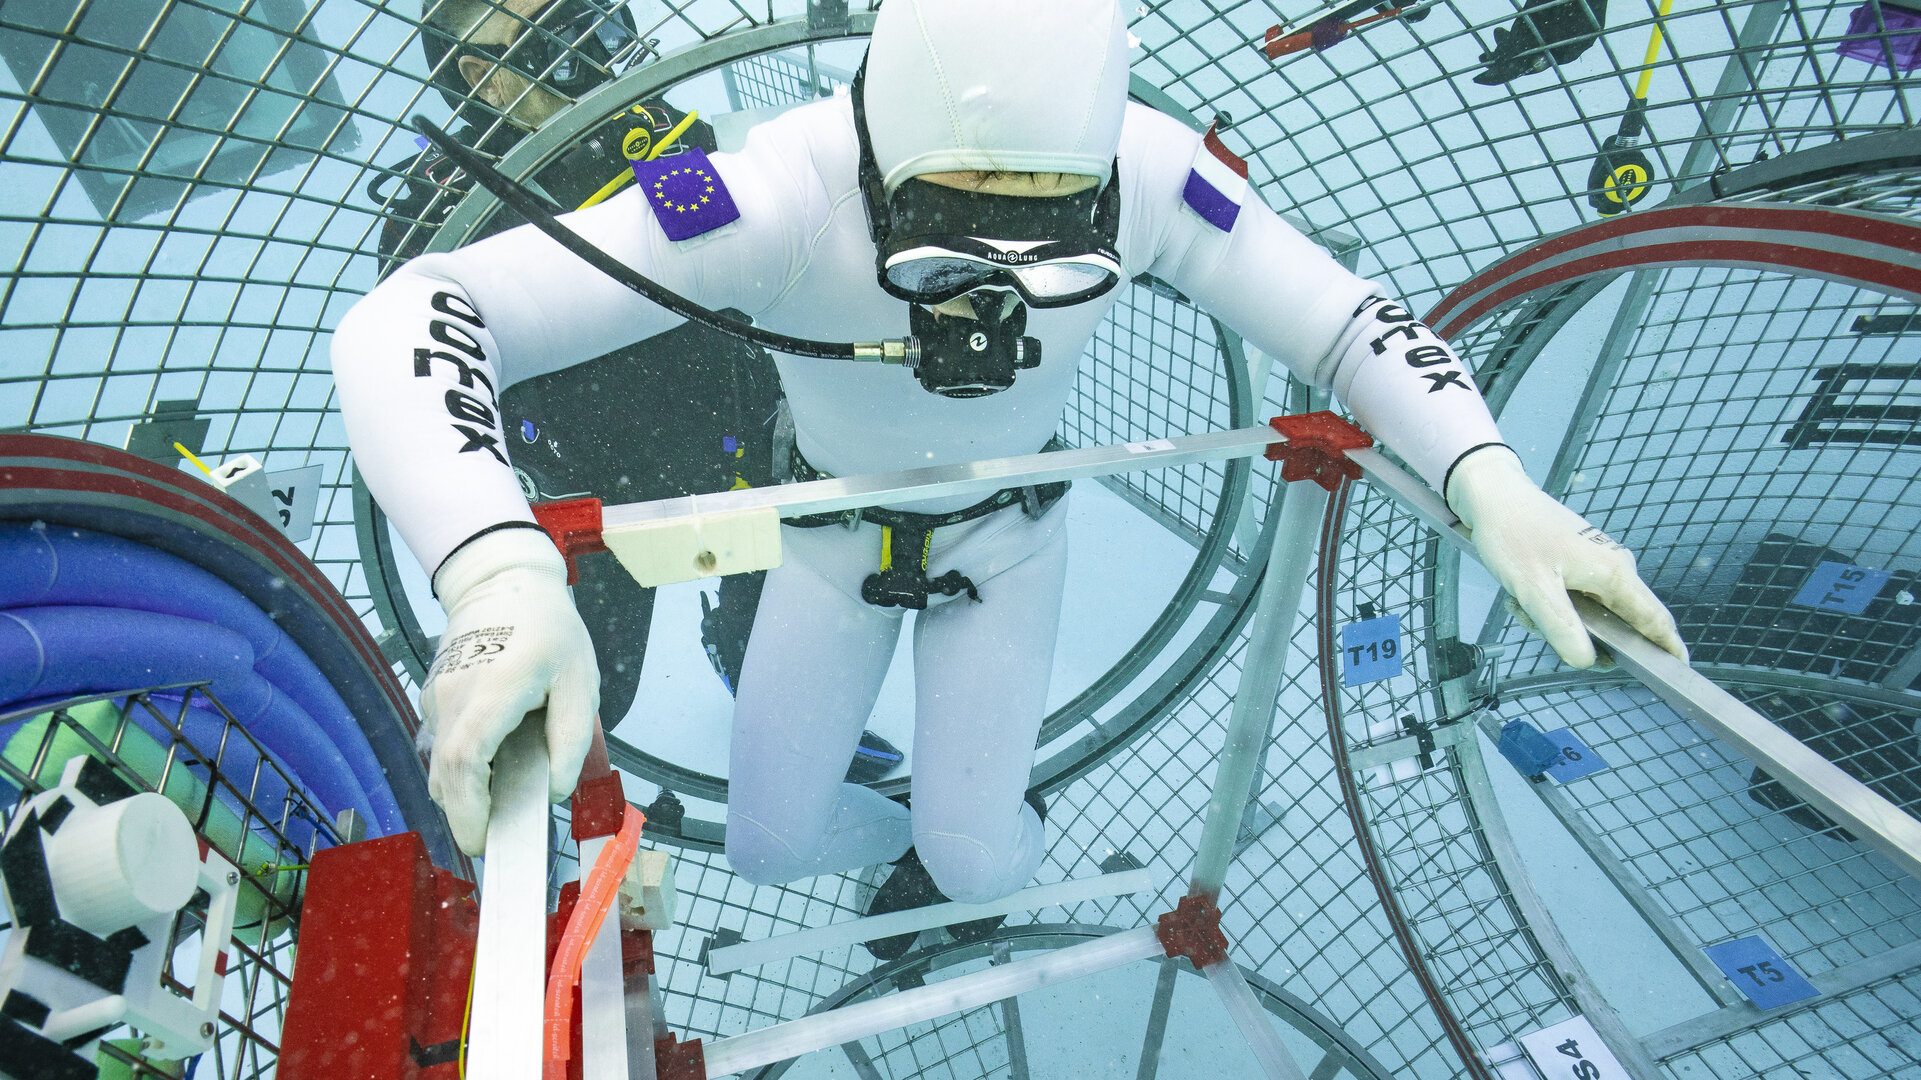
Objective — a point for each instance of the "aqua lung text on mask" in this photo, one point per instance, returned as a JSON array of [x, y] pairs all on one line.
[[468, 409], [1403, 324]]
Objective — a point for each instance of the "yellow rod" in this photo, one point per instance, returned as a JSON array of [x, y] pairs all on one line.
[[687, 121], [609, 188], [1654, 52], [188, 454], [626, 175]]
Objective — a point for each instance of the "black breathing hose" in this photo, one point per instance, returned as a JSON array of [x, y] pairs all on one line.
[[534, 209]]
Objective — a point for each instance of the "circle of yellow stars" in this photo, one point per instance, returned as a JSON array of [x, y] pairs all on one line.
[[680, 208]]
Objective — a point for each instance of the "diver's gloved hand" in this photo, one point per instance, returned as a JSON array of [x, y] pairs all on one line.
[[1539, 551], [513, 641]]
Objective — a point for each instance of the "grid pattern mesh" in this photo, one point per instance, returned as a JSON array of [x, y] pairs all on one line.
[[1155, 369], [1427, 838], [225, 780], [1798, 421], [186, 217], [1794, 400]]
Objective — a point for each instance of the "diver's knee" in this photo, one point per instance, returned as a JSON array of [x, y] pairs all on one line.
[[759, 855], [964, 868]]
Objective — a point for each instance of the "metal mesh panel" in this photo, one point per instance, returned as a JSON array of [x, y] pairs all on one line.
[[1869, 1033], [186, 218], [1688, 817], [1426, 832], [1751, 434], [207, 781], [1385, 135], [1155, 369], [779, 79]]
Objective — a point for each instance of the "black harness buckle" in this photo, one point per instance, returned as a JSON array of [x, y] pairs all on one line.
[[902, 580], [908, 538]]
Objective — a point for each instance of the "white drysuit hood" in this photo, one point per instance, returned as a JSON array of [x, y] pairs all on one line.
[[1013, 85]]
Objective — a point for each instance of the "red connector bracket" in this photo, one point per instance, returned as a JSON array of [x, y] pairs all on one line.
[[1316, 448], [599, 805], [674, 1060], [636, 951], [574, 525], [1193, 930]]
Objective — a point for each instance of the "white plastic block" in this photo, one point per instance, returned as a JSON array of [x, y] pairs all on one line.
[[697, 546], [647, 892], [245, 479]]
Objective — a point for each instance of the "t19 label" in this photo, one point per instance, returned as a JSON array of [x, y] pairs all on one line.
[[1371, 650]]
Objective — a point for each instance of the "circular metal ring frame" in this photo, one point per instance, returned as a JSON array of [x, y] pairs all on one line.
[[411, 647]]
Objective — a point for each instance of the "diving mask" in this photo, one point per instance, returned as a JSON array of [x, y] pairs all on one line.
[[570, 46], [943, 243], [935, 244]]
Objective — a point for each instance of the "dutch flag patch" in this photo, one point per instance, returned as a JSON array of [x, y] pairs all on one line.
[[1217, 184]]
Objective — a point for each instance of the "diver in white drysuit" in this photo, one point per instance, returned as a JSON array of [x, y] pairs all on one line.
[[988, 120]]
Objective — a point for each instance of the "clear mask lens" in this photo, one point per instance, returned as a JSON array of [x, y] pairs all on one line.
[[575, 50], [952, 276], [1062, 279], [937, 278]]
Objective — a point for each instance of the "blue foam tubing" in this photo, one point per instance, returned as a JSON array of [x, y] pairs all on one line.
[[65, 566], [54, 652], [58, 566]]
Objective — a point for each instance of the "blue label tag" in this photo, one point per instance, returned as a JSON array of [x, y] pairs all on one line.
[[1371, 650], [1758, 971], [1836, 586], [1575, 759]]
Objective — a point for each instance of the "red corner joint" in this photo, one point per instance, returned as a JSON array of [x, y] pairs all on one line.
[[599, 805], [1316, 448], [574, 525], [1193, 930], [675, 1060]]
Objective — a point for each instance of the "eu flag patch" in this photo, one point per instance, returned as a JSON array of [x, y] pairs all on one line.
[[686, 193]]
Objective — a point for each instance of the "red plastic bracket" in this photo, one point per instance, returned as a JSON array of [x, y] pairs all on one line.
[[636, 951], [675, 1060], [599, 805], [380, 988], [1316, 448], [574, 525], [1193, 930]]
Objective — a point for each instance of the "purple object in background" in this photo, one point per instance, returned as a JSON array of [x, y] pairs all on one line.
[[1902, 41]]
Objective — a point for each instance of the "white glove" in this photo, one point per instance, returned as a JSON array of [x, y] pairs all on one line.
[[1539, 551], [513, 641]]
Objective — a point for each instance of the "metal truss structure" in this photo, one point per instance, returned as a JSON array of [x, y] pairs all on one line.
[[185, 207]]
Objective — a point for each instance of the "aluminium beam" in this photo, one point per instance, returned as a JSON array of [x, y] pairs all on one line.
[[840, 494], [819, 939], [510, 951], [1251, 1019], [1732, 1020], [1284, 584], [850, 1023], [603, 995]]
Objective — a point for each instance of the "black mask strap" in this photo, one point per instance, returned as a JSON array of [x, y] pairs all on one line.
[[873, 189]]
